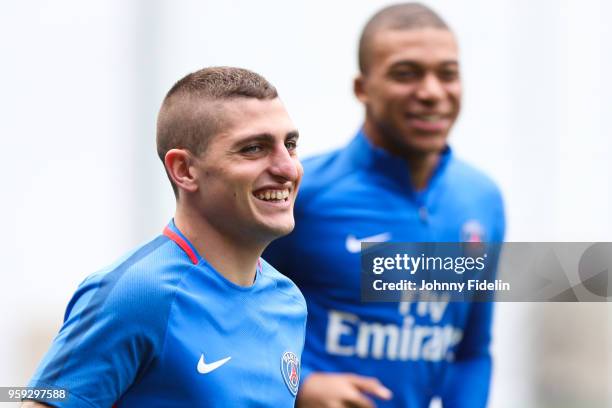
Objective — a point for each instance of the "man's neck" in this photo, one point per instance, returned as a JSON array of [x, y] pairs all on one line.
[[421, 165], [237, 262], [421, 169]]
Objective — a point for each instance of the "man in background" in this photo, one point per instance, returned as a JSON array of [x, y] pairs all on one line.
[[195, 317], [398, 180]]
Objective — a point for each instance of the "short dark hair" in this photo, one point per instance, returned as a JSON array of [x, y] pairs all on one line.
[[404, 16], [190, 112]]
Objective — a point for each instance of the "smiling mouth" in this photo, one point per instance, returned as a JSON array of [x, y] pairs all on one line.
[[429, 123], [274, 196], [431, 118]]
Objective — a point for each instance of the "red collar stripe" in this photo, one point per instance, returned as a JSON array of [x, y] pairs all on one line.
[[182, 243]]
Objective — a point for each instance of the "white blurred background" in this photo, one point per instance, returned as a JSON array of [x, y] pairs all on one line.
[[81, 182]]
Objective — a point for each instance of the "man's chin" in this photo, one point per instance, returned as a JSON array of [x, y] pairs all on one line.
[[279, 229], [285, 230], [409, 142], [426, 145]]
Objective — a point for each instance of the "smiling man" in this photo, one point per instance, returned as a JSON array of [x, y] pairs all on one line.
[[196, 317], [398, 180]]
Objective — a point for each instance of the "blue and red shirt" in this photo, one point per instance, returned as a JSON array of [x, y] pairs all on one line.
[[162, 328]]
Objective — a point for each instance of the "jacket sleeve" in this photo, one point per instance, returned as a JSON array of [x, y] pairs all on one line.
[[466, 385], [110, 333]]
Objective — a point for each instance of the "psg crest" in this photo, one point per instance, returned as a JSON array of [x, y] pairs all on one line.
[[290, 368], [472, 231]]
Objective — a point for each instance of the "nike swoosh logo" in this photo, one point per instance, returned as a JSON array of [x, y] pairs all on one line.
[[204, 368], [353, 245]]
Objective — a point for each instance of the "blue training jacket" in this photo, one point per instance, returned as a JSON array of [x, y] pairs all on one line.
[[418, 350]]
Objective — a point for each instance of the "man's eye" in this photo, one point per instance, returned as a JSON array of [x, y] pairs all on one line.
[[251, 149], [404, 75], [448, 75], [291, 145]]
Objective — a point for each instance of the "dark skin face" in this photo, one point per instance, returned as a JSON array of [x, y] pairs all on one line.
[[411, 92]]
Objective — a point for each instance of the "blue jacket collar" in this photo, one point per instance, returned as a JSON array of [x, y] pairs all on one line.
[[363, 153]]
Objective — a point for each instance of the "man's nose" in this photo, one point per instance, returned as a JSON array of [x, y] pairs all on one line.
[[284, 165], [430, 88]]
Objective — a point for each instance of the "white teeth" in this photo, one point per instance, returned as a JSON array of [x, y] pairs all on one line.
[[270, 195], [430, 118]]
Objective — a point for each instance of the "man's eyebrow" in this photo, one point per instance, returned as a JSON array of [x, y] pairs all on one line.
[[406, 63], [417, 64], [260, 137], [265, 138], [293, 135], [450, 62]]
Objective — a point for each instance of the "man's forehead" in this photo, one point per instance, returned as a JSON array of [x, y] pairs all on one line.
[[242, 117], [432, 43], [239, 107]]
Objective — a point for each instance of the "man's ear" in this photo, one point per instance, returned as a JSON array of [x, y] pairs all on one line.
[[178, 164], [359, 84]]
